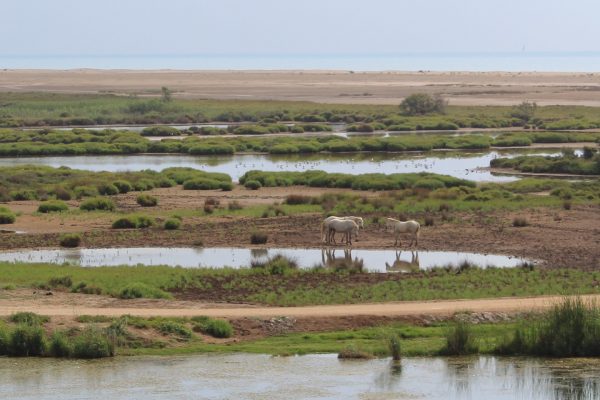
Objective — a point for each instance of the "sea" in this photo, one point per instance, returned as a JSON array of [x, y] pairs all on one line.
[[474, 61]]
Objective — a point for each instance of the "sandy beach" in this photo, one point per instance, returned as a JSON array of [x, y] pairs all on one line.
[[343, 87]]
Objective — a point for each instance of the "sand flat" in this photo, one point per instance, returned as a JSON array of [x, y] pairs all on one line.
[[343, 87]]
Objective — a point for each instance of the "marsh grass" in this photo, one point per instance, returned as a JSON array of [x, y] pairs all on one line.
[[568, 329], [460, 339]]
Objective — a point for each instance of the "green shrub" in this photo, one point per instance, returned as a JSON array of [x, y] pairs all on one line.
[[226, 186], [293, 199], [258, 238], [123, 186], [133, 222], [253, 185], [460, 340], [7, 217], [52, 206], [202, 184], [216, 328], [172, 327], [28, 318], [143, 185], [64, 281], [27, 340], [234, 205], [70, 240], [107, 189], [85, 191], [161, 131], [172, 224], [145, 200], [93, 343], [59, 345], [569, 329], [138, 290], [129, 222], [4, 339], [97, 203]]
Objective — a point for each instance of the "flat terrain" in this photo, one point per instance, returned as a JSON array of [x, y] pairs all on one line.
[[556, 237], [344, 87]]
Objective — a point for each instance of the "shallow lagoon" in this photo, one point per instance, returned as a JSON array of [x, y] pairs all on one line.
[[219, 257], [250, 376], [463, 164]]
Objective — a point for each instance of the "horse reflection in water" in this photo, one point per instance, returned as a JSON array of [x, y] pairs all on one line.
[[346, 262], [404, 266]]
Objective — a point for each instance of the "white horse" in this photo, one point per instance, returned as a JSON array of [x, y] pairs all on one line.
[[328, 235], [399, 227], [345, 226]]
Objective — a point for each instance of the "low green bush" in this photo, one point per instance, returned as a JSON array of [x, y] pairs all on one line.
[[52, 206], [215, 327], [133, 222], [7, 216], [70, 240], [172, 327], [26, 341], [123, 186], [28, 318], [107, 189], [253, 185], [146, 200], [460, 340], [258, 238], [172, 224], [59, 345], [202, 184], [138, 290], [97, 203], [93, 343]]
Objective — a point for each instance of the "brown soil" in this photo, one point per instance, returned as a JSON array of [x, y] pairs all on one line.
[[461, 88], [557, 237]]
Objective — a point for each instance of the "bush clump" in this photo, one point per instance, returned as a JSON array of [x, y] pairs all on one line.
[[97, 203], [52, 206], [133, 222], [145, 200], [27, 340], [258, 238], [7, 216], [138, 290], [253, 185], [460, 340], [70, 240], [123, 186], [172, 224], [107, 189], [93, 343], [172, 327], [214, 327]]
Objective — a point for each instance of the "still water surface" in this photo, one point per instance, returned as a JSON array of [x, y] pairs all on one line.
[[219, 257], [249, 376], [465, 165]]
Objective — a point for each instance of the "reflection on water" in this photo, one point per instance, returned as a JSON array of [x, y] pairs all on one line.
[[247, 376], [219, 257], [459, 164]]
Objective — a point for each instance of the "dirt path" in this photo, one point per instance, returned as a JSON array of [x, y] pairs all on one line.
[[446, 307]]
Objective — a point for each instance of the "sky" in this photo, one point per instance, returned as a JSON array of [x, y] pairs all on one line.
[[294, 27]]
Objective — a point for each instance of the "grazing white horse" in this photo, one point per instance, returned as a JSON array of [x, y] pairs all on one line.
[[328, 235], [345, 226], [399, 227], [404, 266]]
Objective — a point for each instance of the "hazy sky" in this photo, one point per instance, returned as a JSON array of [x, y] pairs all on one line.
[[271, 27]]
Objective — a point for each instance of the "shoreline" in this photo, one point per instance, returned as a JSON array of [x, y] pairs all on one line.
[[319, 86]]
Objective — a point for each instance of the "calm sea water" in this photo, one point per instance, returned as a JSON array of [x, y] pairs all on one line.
[[509, 61]]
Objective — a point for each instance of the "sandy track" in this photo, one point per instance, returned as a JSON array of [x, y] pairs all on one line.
[[389, 87], [396, 309]]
